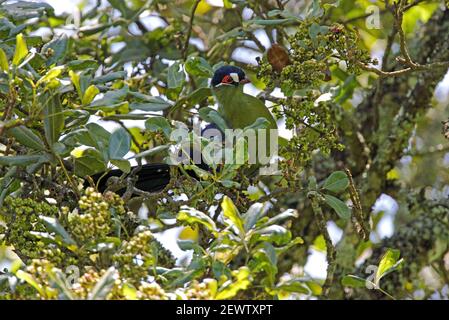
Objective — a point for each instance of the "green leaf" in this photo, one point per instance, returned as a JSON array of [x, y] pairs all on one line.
[[27, 137], [212, 116], [274, 234], [199, 95], [150, 104], [254, 213], [75, 77], [192, 216], [268, 22], [90, 94], [89, 163], [231, 288], [315, 29], [53, 118], [21, 161], [100, 136], [52, 224], [59, 279], [50, 75], [293, 286], [104, 285], [109, 77], [389, 263], [315, 10], [111, 98], [123, 165], [21, 50], [4, 66], [28, 278], [337, 182], [175, 77], [198, 67], [339, 206], [119, 144], [60, 46], [287, 214], [158, 123], [353, 281], [77, 65], [230, 212]]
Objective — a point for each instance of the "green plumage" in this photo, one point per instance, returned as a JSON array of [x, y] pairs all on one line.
[[239, 109]]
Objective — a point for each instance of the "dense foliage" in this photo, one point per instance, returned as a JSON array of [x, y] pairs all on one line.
[[105, 87]]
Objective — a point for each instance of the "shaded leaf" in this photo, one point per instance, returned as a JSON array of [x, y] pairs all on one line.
[[337, 182], [53, 118], [175, 76], [353, 281], [339, 206], [21, 161], [119, 144], [52, 224], [158, 123], [27, 137]]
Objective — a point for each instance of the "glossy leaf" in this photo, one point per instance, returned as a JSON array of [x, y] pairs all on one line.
[[390, 261], [230, 212], [192, 216]]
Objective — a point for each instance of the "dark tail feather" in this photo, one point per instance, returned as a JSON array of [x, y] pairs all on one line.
[[152, 177]]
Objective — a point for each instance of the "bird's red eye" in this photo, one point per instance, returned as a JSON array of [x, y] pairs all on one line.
[[227, 79]]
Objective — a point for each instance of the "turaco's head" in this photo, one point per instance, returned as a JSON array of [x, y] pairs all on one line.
[[228, 76]]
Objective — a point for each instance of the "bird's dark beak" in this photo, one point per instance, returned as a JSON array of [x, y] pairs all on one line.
[[245, 81]]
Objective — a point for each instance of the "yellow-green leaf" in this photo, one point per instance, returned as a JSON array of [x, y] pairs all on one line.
[[389, 262], [21, 50], [3, 61], [90, 94], [50, 75], [231, 288], [76, 82], [230, 211], [192, 216], [28, 278]]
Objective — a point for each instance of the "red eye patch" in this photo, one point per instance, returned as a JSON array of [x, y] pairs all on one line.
[[227, 79]]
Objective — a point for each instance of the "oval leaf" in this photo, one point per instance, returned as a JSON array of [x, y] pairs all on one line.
[[339, 206], [119, 144], [337, 182]]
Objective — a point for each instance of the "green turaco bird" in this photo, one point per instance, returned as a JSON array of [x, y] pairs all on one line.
[[238, 109]]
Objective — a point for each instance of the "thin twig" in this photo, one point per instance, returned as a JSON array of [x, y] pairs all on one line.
[[358, 218], [331, 253], [189, 30]]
